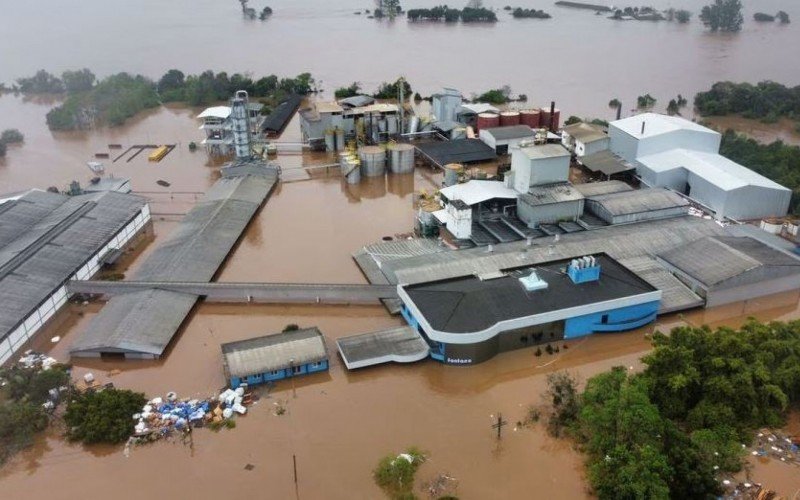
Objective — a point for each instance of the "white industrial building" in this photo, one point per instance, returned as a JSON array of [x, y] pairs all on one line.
[[48, 239], [584, 138], [537, 164], [218, 126], [676, 153], [504, 139]]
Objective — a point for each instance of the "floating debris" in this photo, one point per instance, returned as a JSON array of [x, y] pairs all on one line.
[[163, 183]]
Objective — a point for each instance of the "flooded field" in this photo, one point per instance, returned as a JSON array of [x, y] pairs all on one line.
[[576, 58], [785, 130]]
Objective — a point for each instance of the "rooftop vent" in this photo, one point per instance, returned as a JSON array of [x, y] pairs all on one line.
[[533, 282], [584, 269]]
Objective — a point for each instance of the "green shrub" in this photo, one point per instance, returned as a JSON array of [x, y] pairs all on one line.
[[103, 416]]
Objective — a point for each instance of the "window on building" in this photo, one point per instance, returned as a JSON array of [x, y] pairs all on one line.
[[604, 319], [297, 369], [275, 372]]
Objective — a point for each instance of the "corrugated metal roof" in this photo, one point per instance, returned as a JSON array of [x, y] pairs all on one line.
[[357, 101], [551, 193], [274, 352], [145, 322], [216, 112], [457, 151], [592, 189], [585, 132], [639, 201], [476, 191], [46, 237], [729, 261], [605, 162], [509, 132]]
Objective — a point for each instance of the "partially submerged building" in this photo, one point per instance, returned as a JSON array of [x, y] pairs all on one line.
[[469, 319], [681, 155], [274, 357], [375, 121], [48, 239], [218, 126], [141, 324]]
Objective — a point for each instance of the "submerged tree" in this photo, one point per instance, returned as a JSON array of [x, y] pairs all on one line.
[[783, 17], [645, 101], [723, 15], [683, 16], [265, 13]]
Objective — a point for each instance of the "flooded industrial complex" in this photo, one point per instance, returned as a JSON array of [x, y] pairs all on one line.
[[302, 284]]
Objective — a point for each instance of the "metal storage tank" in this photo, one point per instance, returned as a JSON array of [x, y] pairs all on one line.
[[427, 226], [351, 170], [508, 118], [545, 119], [401, 159], [487, 120], [451, 173], [373, 161], [530, 117], [413, 125]]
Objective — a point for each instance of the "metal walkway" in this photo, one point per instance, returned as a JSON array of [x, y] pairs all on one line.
[[400, 345], [277, 293]]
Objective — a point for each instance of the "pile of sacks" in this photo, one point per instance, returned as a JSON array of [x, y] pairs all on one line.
[[161, 417], [33, 359]]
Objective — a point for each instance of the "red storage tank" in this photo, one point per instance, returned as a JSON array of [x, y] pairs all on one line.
[[530, 117], [508, 118], [487, 120], [545, 119]]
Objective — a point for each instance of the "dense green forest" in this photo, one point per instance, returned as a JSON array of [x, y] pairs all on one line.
[[776, 161], [116, 98], [668, 431], [766, 100]]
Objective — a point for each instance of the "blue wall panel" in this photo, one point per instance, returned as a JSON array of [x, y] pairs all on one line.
[[616, 320]]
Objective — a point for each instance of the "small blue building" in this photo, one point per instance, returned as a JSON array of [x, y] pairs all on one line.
[[274, 357]]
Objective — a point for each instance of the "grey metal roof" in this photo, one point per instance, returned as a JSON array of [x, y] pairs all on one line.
[[456, 151], [639, 201], [551, 193], [586, 132], [46, 237], [401, 344], [357, 101], [622, 242], [591, 189], [605, 162], [729, 261], [510, 132], [145, 322], [273, 352]]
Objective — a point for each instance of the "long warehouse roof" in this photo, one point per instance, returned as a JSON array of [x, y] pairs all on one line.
[[143, 323], [46, 237]]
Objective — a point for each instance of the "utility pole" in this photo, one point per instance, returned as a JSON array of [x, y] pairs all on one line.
[[499, 425]]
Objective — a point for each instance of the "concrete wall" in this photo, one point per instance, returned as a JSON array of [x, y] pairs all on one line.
[[548, 214], [39, 316]]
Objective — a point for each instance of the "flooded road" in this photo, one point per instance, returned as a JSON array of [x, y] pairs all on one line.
[[576, 58]]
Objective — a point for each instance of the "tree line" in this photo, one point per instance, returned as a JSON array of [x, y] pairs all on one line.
[[114, 99], [766, 100], [450, 15], [669, 431]]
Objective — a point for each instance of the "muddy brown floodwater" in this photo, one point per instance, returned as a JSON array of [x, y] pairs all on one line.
[[338, 424]]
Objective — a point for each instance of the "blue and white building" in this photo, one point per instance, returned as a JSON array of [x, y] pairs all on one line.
[[470, 319], [274, 357]]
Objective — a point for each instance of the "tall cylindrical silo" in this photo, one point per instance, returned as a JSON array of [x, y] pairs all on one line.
[[401, 158], [373, 161]]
